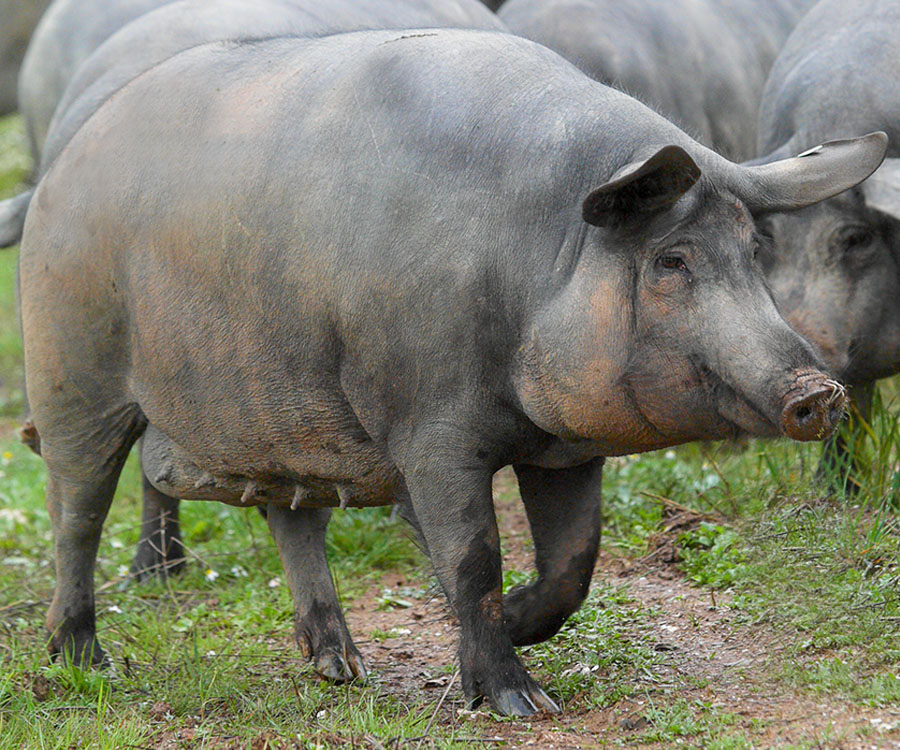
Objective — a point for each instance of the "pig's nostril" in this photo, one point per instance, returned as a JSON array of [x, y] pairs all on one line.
[[803, 413]]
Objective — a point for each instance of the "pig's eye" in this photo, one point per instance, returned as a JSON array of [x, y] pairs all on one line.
[[672, 263], [853, 238]]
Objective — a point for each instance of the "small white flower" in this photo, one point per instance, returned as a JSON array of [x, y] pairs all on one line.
[[210, 653], [115, 609], [211, 575], [274, 583], [122, 570], [12, 514], [238, 572], [116, 544], [670, 455]]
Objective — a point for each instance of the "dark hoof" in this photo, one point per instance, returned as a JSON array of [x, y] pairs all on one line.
[[520, 701], [504, 682], [523, 702], [339, 667]]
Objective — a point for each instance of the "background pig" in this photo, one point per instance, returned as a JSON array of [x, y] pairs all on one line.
[[701, 63], [833, 267], [68, 32], [71, 30], [366, 269], [19, 17]]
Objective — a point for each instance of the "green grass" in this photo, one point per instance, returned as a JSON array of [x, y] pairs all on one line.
[[824, 571], [14, 167], [696, 723], [596, 660], [206, 659]]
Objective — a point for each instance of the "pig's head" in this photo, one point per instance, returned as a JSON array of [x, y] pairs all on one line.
[[664, 329], [833, 270]]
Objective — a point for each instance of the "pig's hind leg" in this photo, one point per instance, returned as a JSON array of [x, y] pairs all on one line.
[[300, 537], [159, 551], [84, 459]]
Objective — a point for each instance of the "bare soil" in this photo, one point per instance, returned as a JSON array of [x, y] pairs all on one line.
[[708, 657]]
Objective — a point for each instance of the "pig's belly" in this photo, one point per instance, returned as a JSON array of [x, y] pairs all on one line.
[[364, 478]]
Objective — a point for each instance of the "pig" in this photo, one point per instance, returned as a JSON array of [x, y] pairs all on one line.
[[833, 268], [701, 63], [17, 21], [146, 41], [365, 269], [68, 32]]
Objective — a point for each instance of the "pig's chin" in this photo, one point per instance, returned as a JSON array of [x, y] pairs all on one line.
[[744, 419]]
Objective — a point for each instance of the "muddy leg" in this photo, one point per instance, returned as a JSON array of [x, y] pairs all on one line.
[[321, 630], [453, 504], [78, 498], [839, 466], [563, 508], [159, 550]]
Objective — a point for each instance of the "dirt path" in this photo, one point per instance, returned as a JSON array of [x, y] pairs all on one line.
[[707, 657]]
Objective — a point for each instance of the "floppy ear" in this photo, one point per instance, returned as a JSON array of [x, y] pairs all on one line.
[[816, 174], [882, 189], [784, 151], [642, 187]]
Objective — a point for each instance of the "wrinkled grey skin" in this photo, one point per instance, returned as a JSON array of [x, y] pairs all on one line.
[[158, 35], [700, 63], [834, 269], [366, 269], [17, 21], [67, 34]]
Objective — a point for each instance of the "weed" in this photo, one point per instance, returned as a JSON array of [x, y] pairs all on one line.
[[712, 555]]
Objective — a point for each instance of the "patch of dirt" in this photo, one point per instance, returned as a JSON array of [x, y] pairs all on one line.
[[708, 657]]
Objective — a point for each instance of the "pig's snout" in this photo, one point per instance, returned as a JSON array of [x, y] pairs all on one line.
[[813, 406]]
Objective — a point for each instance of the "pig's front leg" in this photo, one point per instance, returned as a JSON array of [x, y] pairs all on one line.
[[563, 508], [451, 497]]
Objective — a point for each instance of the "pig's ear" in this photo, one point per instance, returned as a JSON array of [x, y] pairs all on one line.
[[882, 189], [814, 175], [642, 187]]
